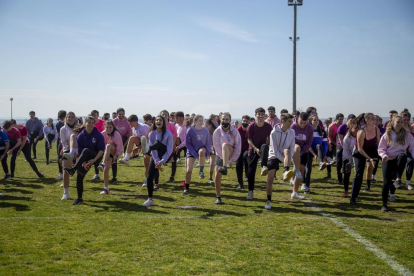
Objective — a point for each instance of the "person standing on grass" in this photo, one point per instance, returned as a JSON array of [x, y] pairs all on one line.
[[303, 138], [392, 149], [173, 158], [181, 134], [91, 146], [123, 127], [50, 133], [281, 150], [4, 148], [59, 125], [227, 144], [410, 160], [100, 126], [332, 146], [212, 158], [69, 149], [272, 120], [161, 143], [317, 150], [367, 141], [35, 129], [258, 138], [348, 145], [25, 148], [15, 140], [340, 134], [113, 148], [242, 160], [198, 143]]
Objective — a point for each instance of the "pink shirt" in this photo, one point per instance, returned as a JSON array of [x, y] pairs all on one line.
[[273, 122], [393, 150], [123, 127], [334, 128], [172, 128], [115, 140], [100, 125], [232, 138], [181, 133]]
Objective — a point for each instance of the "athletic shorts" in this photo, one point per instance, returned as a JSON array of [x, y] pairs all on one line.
[[219, 161], [304, 158], [273, 164]]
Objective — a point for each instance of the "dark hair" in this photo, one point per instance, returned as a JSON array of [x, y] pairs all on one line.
[[94, 111], [61, 114], [7, 124], [310, 108], [179, 114], [110, 122], [247, 117], [133, 118], [339, 115], [147, 117], [393, 111], [284, 111], [351, 116], [164, 126], [212, 116], [271, 108], [13, 121], [297, 113], [259, 110], [189, 122], [113, 113], [304, 116], [53, 126], [318, 128], [165, 111], [106, 116], [172, 114], [120, 109], [82, 125], [286, 116], [34, 113]]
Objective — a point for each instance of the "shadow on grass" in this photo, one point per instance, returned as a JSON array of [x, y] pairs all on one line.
[[119, 206], [13, 190], [16, 206], [24, 185]]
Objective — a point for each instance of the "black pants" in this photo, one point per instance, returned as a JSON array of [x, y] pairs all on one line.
[[360, 163], [339, 163], [308, 170], [319, 151], [152, 171], [242, 160], [252, 164], [410, 165], [27, 155], [85, 156], [390, 169], [346, 175], [59, 148], [32, 143], [330, 154], [50, 138], [173, 164], [4, 162]]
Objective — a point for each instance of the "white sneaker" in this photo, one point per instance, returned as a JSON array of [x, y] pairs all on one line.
[[298, 175], [296, 196], [105, 192], [249, 195], [303, 187], [268, 205], [148, 203], [392, 198], [287, 176], [59, 177], [1, 194], [68, 156], [144, 184], [61, 185], [264, 171], [144, 145], [124, 161], [330, 161], [409, 185], [178, 160], [65, 197], [292, 182]]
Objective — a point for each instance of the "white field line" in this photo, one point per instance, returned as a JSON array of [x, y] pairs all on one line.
[[400, 269]]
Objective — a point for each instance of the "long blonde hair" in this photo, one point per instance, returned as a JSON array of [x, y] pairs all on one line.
[[400, 135]]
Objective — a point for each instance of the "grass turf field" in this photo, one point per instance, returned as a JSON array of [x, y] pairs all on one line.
[[40, 234]]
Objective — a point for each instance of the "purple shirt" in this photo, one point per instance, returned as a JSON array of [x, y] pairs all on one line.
[[342, 129], [303, 137], [197, 139], [167, 140], [93, 141]]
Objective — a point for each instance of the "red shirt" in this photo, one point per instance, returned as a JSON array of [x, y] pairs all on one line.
[[23, 132], [14, 134], [258, 135], [100, 125], [243, 135]]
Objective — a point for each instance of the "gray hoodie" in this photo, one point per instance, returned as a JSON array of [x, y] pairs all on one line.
[[279, 141], [35, 126]]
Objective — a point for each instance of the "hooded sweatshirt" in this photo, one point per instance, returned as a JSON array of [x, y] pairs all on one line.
[[231, 137], [93, 141], [196, 139], [394, 149], [303, 137], [114, 140], [167, 140], [35, 126], [279, 141]]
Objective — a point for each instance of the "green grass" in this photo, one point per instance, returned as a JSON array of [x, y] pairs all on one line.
[[40, 234]]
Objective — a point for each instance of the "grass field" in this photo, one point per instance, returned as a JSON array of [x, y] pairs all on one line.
[[40, 234]]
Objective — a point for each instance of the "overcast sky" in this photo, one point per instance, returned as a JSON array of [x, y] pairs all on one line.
[[205, 56]]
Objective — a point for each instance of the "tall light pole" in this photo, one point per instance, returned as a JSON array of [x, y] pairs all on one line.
[[294, 3], [11, 108]]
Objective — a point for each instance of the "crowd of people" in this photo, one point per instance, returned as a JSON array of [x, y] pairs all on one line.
[[294, 141]]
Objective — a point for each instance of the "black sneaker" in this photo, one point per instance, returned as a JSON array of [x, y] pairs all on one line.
[[78, 201], [240, 187], [340, 182], [12, 175], [328, 176], [134, 157], [69, 171], [7, 176], [367, 189], [397, 184], [384, 208], [40, 175], [373, 180], [171, 180], [353, 201], [96, 177], [156, 187], [113, 180], [218, 201], [223, 170], [34, 158]]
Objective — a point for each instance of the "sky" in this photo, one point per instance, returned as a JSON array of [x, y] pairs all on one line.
[[205, 57]]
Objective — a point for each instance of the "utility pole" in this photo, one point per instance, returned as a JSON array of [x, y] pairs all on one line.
[[11, 108]]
